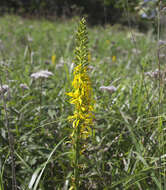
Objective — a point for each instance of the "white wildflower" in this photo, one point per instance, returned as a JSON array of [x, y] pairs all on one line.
[[161, 42], [110, 89], [29, 38], [41, 74], [90, 68], [24, 86], [154, 74], [4, 88]]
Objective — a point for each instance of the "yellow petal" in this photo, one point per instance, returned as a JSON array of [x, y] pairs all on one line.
[[71, 188]]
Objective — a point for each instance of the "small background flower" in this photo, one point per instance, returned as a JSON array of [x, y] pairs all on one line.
[[41, 74]]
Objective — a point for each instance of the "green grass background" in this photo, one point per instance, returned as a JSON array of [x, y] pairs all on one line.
[[128, 148]]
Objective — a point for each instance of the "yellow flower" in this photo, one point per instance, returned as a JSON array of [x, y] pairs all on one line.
[[113, 58], [108, 42], [53, 58]]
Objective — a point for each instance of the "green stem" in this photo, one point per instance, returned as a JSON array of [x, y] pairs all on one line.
[[41, 89], [76, 159]]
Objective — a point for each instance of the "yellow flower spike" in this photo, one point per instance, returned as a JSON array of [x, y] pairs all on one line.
[[81, 98], [53, 59]]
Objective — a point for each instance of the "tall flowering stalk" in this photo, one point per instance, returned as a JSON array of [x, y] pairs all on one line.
[[81, 97]]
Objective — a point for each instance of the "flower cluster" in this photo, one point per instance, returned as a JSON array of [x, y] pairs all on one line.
[[81, 97], [110, 89], [24, 86], [41, 74], [155, 74], [4, 88]]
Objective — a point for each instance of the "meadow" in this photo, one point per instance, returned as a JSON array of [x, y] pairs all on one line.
[[127, 148]]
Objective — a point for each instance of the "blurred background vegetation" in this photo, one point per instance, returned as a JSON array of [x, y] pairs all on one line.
[[97, 11]]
